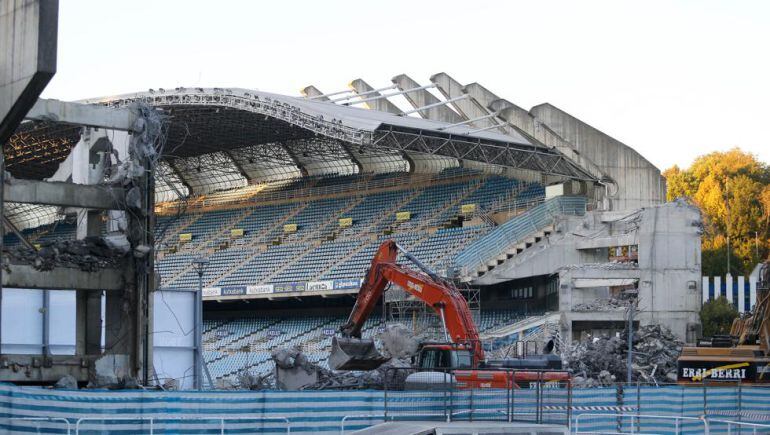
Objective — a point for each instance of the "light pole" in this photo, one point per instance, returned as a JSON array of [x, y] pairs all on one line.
[[200, 266]]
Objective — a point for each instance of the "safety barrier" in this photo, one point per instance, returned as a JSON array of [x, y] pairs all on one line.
[[151, 421], [740, 425], [43, 419], [537, 396], [676, 421], [322, 411]]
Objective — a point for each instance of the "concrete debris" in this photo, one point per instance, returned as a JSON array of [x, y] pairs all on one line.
[[602, 361], [603, 304], [68, 382], [170, 384], [111, 371], [90, 254], [293, 371], [250, 381], [397, 341]]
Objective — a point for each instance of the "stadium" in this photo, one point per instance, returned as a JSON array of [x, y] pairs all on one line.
[[532, 213]]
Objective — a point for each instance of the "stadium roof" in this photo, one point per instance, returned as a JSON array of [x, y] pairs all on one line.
[[223, 138]]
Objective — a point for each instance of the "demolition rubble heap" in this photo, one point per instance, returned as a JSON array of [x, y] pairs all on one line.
[[293, 370], [89, 255], [602, 361], [603, 304]]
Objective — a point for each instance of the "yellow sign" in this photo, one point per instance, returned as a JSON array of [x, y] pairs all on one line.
[[468, 208], [236, 233], [403, 216], [290, 228], [346, 222], [185, 237]]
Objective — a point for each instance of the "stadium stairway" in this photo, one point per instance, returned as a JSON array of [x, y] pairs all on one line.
[[514, 236]]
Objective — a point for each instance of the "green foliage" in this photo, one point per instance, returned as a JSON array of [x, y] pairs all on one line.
[[717, 316], [732, 189]]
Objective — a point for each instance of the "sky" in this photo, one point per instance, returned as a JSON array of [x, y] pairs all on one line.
[[672, 79]]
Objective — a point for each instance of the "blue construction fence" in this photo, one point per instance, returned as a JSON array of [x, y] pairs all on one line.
[[134, 411]]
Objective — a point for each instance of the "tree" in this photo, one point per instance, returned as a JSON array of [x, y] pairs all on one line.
[[732, 190], [717, 316]]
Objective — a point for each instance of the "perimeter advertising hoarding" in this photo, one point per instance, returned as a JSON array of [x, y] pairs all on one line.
[[347, 284], [212, 291], [315, 286], [289, 287], [259, 289], [236, 290]]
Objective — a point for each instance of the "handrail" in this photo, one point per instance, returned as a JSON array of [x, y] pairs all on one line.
[[151, 420], [358, 416], [53, 419], [383, 416], [676, 418], [739, 424]]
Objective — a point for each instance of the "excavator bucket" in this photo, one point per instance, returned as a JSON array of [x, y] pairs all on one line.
[[354, 354]]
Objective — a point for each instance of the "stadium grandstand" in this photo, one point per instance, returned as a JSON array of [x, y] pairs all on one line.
[[288, 198]]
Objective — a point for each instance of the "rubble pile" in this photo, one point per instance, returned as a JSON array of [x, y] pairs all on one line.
[[89, 255], [294, 371], [603, 304], [602, 361]]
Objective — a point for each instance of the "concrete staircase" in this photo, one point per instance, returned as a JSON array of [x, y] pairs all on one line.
[[515, 236]]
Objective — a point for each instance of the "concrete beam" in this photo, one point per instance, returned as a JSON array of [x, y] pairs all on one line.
[[312, 91], [62, 278], [28, 34], [382, 105], [38, 369], [468, 108], [64, 194], [608, 241], [422, 98], [90, 115]]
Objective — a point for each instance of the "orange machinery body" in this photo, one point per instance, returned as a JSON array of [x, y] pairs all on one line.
[[481, 379]]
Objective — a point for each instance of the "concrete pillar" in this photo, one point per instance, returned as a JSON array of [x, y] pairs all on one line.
[[741, 294], [717, 287], [752, 291], [88, 329], [729, 288], [705, 289]]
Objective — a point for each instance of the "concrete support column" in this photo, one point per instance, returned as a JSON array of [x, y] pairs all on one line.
[[717, 287], [729, 288], [88, 330], [741, 294], [705, 289], [752, 291]]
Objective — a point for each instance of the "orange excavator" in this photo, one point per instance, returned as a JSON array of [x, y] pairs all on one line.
[[462, 353]]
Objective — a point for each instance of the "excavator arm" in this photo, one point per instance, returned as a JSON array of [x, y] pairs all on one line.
[[351, 353]]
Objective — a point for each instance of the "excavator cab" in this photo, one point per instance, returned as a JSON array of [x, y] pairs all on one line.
[[444, 356]]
